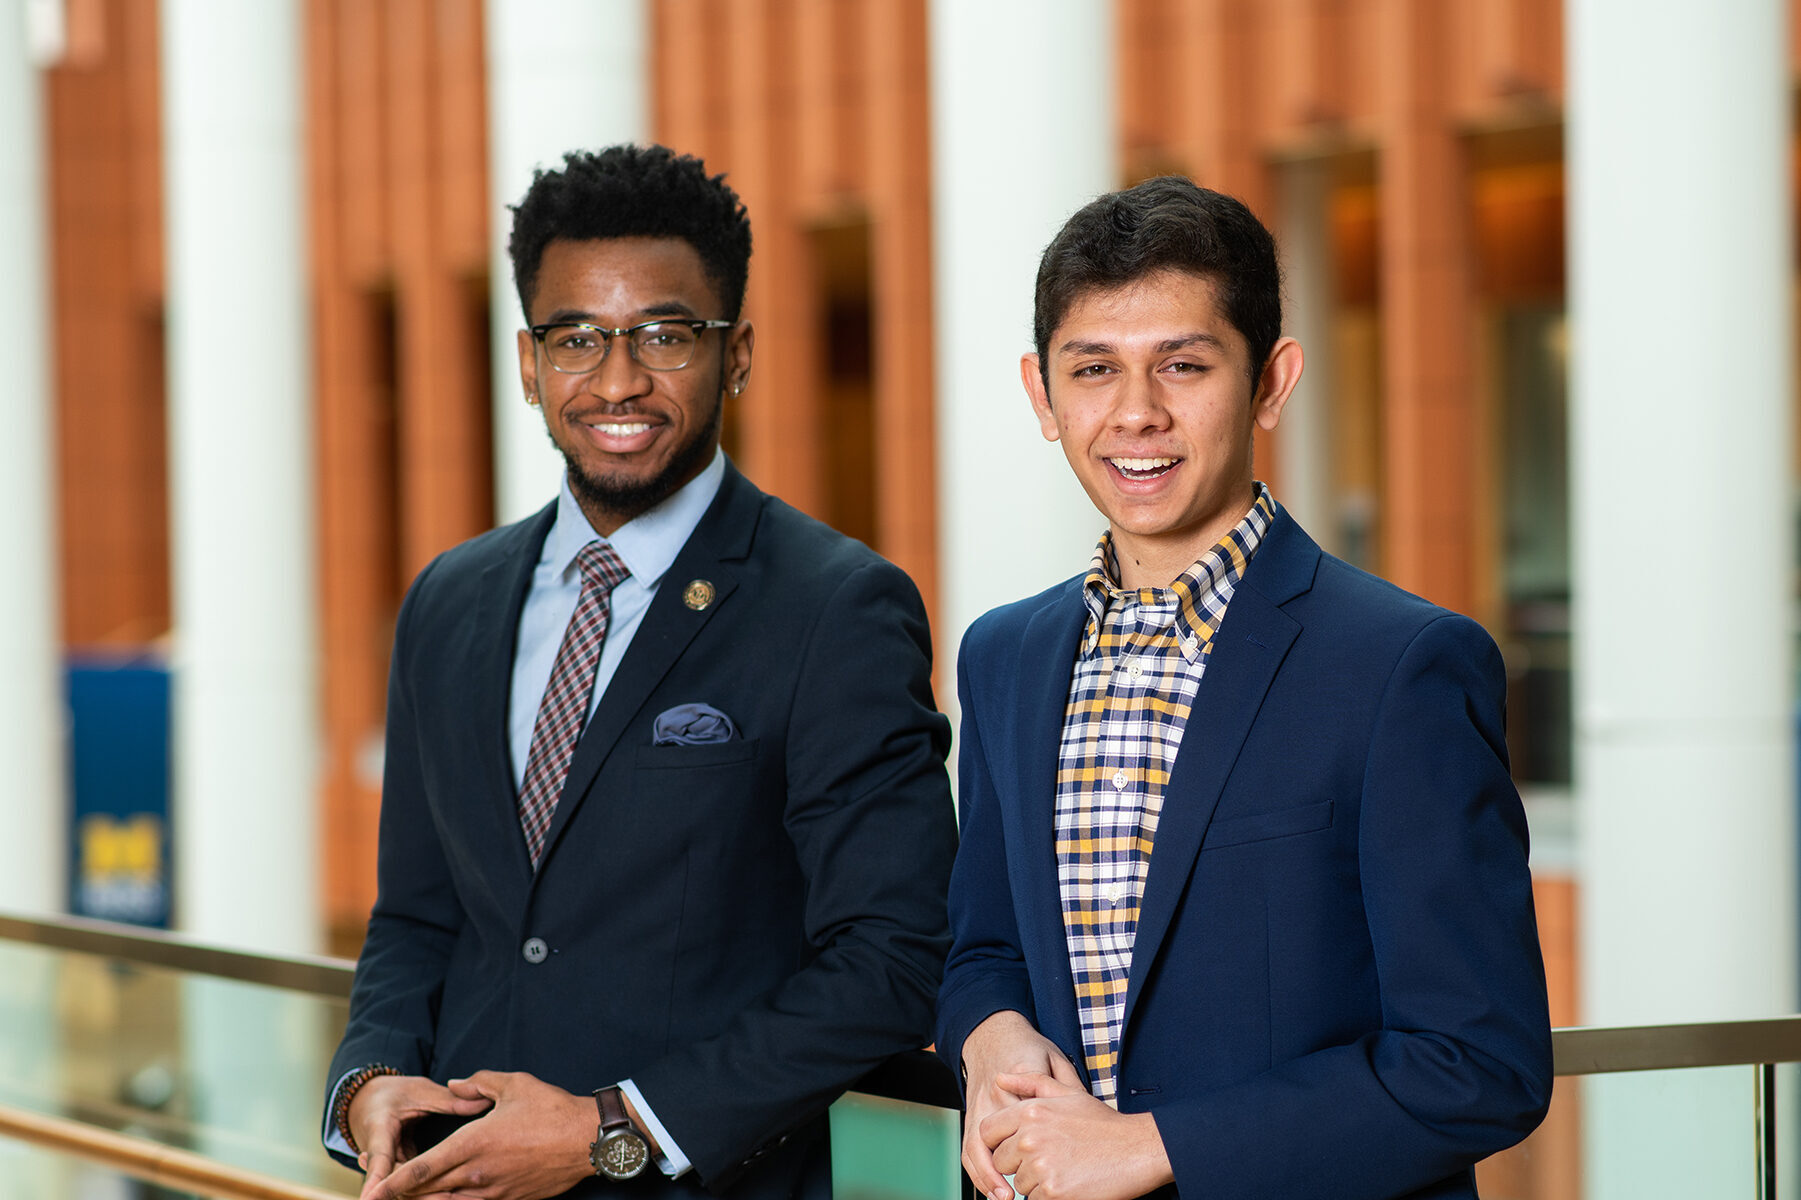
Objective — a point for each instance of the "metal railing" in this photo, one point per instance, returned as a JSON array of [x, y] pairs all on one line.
[[1606, 1050], [917, 1077], [153, 1162]]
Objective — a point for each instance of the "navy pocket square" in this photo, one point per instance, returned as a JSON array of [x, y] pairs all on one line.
[[692, 725]]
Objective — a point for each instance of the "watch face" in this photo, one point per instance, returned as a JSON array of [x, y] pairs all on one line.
[[622, 1155]]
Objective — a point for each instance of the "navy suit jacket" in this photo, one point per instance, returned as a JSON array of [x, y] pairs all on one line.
[[742, 928], [1336, 988]]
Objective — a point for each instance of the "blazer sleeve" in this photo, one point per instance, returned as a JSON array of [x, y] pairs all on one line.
[[986, 972], [868, 811], [1461, 1066], [414, 923]]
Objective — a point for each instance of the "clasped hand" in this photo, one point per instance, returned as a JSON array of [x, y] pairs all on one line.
[[530, 1143], [1029, 1117]]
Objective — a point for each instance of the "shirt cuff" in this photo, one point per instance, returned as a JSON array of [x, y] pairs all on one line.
[[332, 1138], [670, 1159]]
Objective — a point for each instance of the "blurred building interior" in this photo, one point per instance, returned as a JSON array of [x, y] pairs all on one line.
[[349, 378]]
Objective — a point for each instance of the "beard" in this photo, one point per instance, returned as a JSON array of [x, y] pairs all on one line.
[[626, 498]]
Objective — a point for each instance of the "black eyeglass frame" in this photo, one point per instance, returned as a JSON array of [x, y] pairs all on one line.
[[540, 332]]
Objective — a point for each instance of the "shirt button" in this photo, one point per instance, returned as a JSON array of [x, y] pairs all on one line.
[[1135, 670], [535, 950], [1120, 779], [1115, 891]]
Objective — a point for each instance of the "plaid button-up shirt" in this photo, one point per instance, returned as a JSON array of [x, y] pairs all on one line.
[[1142, 657]]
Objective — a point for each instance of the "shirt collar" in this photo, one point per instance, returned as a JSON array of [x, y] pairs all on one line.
[[1200, 593], [649, 542]]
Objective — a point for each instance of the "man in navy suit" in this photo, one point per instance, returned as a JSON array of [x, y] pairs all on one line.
[[665, 828], [1242, 904]]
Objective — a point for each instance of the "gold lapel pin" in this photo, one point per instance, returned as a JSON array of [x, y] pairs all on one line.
[[698, 594]]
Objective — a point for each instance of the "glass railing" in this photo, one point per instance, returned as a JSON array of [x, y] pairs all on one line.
[[199, 1071]]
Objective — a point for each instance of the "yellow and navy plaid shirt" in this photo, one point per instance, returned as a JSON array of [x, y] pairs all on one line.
[[1142, 657]]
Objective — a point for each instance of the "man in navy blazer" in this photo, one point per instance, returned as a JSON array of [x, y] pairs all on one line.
[[1242, 905], [736, 906]]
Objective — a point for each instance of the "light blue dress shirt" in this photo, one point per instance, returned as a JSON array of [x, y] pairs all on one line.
[[648, 545]]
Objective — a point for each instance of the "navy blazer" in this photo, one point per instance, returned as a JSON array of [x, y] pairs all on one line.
[[742, 928], [1336, 988]]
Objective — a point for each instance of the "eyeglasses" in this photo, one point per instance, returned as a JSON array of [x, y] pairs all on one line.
[[575, 348]]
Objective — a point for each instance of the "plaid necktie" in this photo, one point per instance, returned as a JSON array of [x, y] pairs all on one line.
[[564, 709]]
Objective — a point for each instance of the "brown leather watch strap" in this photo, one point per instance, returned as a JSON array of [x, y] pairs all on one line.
[[611, 1102]]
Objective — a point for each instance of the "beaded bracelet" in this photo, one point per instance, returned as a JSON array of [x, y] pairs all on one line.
[[340, 1110]]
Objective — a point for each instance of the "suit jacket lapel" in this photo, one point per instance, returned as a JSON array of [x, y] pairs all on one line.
[[504, 583], [1047, 656], [1248, 650], [723, 535]]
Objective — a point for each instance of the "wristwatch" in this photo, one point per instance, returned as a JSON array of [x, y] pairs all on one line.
[[618, 1150]]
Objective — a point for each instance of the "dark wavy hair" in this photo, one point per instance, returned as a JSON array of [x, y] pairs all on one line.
[[1162, 225], [634, 191]]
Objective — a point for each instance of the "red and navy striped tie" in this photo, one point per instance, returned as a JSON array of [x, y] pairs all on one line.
[[565, 706]]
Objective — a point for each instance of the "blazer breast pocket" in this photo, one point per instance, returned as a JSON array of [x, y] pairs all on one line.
[[1264, 827], [708, 754]]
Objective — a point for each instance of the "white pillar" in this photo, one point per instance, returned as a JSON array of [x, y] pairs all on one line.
[[562, 75], [1680, 262], [240, 474], [33, 845], [1304, 439], [1022, 136]]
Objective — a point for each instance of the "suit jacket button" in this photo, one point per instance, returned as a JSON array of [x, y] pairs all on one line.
[[535, 950]]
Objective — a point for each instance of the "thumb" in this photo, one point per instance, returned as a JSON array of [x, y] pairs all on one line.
[[483, 1085], [473, 1104], [1033, 1086], [376, 1168]]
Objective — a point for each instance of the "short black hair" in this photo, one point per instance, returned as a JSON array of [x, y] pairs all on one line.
[[634, 191], [1164, 224]]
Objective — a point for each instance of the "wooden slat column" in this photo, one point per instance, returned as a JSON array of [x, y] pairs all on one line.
[[443, 447], [779, 413], [103, 157], [353, 415], [899, 140], [1429, 421]]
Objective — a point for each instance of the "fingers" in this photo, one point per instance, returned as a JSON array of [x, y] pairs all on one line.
[[379, 1151], [1008, 1158], [1027, 1179], [996, 1128], [483, 1083], [409, 1179], [468, 1098], [979, 1163], [1064, 1071], [377, 1165], [1030, 1085]]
